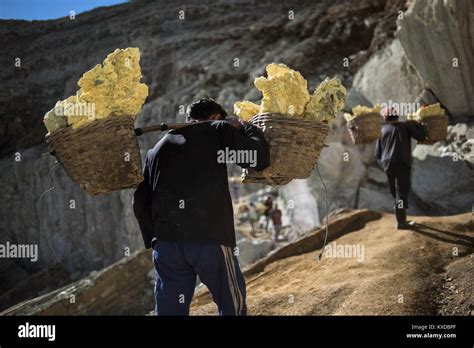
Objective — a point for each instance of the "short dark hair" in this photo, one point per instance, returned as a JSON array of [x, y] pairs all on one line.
[[389, 114], [203, 108]]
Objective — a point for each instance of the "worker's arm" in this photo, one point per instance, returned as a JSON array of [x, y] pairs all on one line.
[[142, 207], [245, 137], [416, 130]]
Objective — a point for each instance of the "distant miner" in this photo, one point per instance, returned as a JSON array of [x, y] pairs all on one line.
[[394, 151], [185, 212]]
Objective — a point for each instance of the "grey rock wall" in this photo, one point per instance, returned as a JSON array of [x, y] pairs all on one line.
[[70, 227], [388, 77], [438, 39], [180, 61]]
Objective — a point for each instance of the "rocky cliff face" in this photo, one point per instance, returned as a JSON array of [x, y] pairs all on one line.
[[181, 58], [216, 50], [438, 38]]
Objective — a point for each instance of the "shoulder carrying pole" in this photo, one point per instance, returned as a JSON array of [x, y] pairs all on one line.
[[161, 127]]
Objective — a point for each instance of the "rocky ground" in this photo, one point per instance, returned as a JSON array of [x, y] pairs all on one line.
[[420, 272], [402, 273]]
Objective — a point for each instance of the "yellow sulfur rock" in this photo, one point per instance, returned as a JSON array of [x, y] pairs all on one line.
[[58, 117], [326, 101], [114, 88], [284, 90], [427, 111], [245, 110], [362, 110], [274, 70], [54, 122], [111, 89]]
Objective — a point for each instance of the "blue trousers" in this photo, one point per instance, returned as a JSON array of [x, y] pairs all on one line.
[[177, 266]]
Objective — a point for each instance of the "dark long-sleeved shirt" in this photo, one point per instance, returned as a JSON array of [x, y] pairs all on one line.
[[185, 194], [394, 146]]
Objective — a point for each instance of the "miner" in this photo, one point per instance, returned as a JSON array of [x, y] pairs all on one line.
[[393, 149], [184, 209]]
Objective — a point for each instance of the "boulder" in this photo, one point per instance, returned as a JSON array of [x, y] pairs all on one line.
[[342, 170], [123, 288], [387, 78], [437, 39], [355, 98], [375, 199], [443, 174]]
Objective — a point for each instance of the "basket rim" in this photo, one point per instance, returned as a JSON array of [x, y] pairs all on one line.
[[366, 116], [66, 131]]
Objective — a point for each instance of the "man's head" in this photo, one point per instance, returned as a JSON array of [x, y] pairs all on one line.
[[389, 114], [206, 109]]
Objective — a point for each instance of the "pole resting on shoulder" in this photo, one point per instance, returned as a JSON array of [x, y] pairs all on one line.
[[161, 127]]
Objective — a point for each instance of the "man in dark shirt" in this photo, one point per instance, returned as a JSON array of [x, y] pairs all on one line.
[[185, 212], [394, 151]]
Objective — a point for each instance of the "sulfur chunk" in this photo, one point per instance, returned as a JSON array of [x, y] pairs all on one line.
[[53, 121], [430, 110], [326, 101], [245, 110], [57, 117], [76, 111], [274, 70], [362, 110], [427, 111], [111, 89], [284, 90]]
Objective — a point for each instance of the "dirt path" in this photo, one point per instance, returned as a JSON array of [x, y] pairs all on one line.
[[396, 273]]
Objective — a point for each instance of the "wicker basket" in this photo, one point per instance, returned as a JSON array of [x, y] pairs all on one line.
[[100, 157], [365, 128], [436, 127], [295, 144]]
